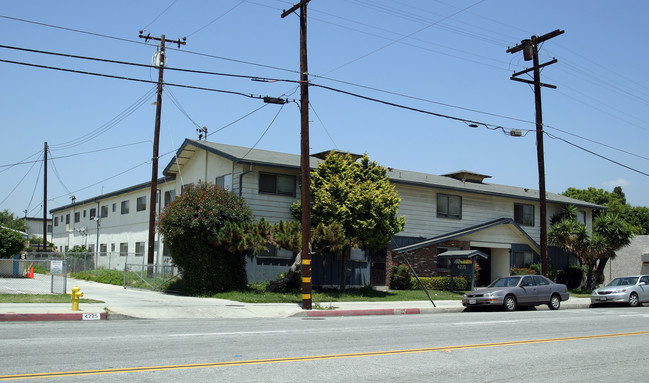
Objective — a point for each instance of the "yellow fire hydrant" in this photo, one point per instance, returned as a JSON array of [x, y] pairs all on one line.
[[76, 294]]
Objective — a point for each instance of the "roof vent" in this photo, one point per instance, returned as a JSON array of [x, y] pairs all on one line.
[[467, 176]]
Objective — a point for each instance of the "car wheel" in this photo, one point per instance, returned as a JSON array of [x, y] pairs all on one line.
[[555, 302], [633, 300], [510, 303]]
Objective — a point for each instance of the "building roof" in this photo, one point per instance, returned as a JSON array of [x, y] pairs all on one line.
[[253, 156], [112, 194], [466, 231]]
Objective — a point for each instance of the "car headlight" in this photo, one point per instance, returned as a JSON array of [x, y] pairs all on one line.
[[619, 291], [489, 295]]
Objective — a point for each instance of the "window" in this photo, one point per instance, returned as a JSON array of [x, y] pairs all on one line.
[[224, 182], [91, 248], [170, 195], [56, 221], [139, 249], [67, 219], [140, 204], [103, 249], [449, 206], [277, 184], [125, 207], [185, 187], [114, 207], [524, 214], [104, 211], [523, 258], [49, 228], [540, 281], [123, 248], [93, 213], [84, 214], [112, 247], [273, 252], [581, 217], [77, 217]]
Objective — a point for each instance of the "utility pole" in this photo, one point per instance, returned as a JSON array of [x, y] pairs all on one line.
[[45, 198], [160, 61], [530, 48], [305, 165]]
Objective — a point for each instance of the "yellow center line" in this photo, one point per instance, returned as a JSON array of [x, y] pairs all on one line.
[[313, 357]]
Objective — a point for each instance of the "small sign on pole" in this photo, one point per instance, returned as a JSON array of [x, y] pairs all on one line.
[[56, 267]]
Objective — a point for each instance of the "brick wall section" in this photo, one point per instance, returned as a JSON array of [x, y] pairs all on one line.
[[424, 260]]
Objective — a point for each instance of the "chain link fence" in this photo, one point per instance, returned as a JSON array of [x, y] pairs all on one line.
[[33, 276], [128, 269]]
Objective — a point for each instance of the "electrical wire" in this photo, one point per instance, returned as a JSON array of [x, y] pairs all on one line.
[[79, 154], [18, 184], [265, 131], [108, 125], [162, 13], [404, 37], [217, 18], [596, 154], [56, 173], [323, 125]]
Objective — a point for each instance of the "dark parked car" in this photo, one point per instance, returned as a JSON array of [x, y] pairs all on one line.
[[632, 290], [514, 291]]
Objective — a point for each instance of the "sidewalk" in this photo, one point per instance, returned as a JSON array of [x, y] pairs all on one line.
[[120, 303]]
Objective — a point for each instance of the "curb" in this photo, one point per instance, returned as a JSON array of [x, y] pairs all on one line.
[[343, 313], [16, 317]]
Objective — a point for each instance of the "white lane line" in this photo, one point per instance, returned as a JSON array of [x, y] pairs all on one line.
[[229, 333]]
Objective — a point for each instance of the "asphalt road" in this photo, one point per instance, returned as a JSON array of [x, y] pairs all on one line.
[[602, 344]]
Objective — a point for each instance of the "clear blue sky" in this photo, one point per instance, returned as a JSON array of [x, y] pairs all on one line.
[[445, 57]]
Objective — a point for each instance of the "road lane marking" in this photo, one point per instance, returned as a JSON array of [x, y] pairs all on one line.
[[312, 358], [230, 333]]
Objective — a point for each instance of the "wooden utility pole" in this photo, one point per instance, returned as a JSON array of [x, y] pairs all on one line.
[[45, 198], [530, 48], [305, 164], [160, 63]]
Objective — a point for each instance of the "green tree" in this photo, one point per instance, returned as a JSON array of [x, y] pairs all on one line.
[[616, 203], [354, 205], [192, 225], [610, 233], [11, 242], [7, 219]]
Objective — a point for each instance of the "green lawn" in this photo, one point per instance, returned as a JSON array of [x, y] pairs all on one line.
[[256, 294]]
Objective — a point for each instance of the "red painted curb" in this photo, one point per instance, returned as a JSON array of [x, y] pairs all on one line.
[[15, 317], [342, 313]]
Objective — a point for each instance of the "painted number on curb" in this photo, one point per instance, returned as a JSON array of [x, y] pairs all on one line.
[[91, 316]]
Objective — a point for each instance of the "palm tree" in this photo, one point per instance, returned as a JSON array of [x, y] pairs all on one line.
[[610, 233]]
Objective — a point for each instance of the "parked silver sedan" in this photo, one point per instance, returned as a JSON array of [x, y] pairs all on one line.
[[514, 291], [632, 290]]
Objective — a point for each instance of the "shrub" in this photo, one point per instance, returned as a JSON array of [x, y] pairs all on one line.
[[401, 278], [571, 276], [191, 224], [444, 283], [525, 270]]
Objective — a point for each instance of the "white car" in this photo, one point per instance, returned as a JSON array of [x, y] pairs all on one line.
[[632, 290]]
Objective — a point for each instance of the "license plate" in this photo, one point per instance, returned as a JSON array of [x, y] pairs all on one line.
[[602, 299], [471, 301]]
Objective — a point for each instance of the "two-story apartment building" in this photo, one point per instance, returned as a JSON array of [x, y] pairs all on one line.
[[443, 212]]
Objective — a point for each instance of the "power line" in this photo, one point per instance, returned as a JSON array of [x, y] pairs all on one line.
[[161, 13], [596, 154]]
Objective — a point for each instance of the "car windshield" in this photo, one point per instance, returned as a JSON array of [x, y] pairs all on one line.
[[505, 282], [625, 281]]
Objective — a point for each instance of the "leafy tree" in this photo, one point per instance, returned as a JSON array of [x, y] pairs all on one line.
[[610, 233], [192, 225], [8, 219], [616, 203], [354, 205], [11, 242]]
